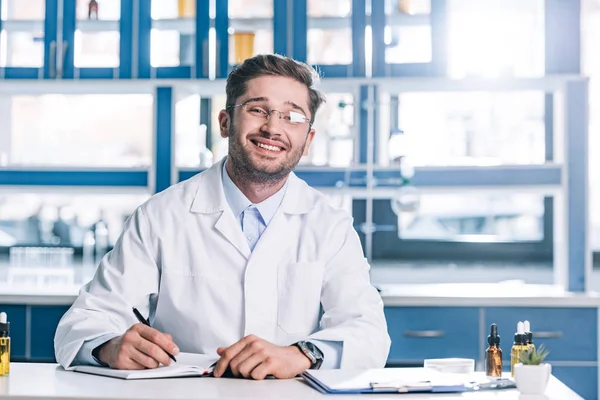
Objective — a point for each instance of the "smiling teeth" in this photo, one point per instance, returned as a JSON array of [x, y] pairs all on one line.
[[265, 146]]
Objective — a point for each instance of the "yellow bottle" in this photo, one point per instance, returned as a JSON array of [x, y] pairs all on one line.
[[528, 335], [519, 346], [186, 8], [4, 345]]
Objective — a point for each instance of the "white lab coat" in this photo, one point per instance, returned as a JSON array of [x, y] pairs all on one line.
[[182, 259]]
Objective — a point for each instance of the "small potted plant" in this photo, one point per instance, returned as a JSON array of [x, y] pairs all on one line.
[[532, 373]]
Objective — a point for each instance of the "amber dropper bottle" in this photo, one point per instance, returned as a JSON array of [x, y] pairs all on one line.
[[493, 354]]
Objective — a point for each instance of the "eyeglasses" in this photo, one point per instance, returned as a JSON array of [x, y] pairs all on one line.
[[293, 120]]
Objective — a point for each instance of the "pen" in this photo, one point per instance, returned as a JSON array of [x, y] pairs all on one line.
[[145, 322]]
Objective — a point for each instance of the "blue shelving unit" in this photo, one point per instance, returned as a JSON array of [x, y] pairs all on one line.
[[49, 38], [125, 29], [358, 23], [198, 67], [437, 20]]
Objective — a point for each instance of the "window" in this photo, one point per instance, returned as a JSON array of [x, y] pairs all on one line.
[[408, 31], [250, 29], [97, 42], [591, 67], [77, 130], [466, 128], [495, 38], [329, 32], [190, 133], [471, 217], [334, 140], [22, 36], [172, 37]]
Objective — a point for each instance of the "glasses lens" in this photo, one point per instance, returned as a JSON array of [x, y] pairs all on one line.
[[297, 117]]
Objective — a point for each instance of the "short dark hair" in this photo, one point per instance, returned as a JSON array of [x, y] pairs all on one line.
[[275, 65]]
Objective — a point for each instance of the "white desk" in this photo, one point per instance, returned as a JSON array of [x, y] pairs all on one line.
[[49, 381]]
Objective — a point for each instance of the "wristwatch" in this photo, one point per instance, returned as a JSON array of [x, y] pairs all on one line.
[[312, 352]]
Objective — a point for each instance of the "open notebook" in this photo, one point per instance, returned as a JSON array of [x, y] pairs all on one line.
[[187, 364]]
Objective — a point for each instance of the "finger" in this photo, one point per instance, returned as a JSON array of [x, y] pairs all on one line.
[[159, 338], [220, 350], [235, 363], [168, 335], [248, 365], [229, 353], [143, 359], [123, 360], [128, 364], [262, 370], [153, 351]]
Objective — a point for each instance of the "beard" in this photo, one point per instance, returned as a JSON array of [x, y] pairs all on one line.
[[259, 170]]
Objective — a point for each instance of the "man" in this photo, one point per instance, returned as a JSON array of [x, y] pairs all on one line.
[[243, 261]]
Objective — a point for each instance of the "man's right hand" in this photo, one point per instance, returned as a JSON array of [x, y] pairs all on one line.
[[140, 347]]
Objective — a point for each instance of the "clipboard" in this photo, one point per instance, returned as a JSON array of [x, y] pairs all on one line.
[[400, 381]]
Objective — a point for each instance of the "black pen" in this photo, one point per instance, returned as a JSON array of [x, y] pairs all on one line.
[[145, 322]]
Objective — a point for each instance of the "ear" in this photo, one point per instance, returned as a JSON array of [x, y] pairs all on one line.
[[224, 123], [309, 139]]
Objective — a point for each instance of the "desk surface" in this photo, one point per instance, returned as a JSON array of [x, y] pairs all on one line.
[[49, 381]]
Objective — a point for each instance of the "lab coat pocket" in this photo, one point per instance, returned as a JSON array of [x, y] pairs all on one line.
[[299, 297]]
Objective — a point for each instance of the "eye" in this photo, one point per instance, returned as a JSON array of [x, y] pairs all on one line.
[[257, 111]]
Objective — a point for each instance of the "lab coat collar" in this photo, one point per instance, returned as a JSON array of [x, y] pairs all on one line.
[[210, 196], [239, 202]]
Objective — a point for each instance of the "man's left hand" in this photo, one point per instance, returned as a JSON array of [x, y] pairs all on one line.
[[253, 357]]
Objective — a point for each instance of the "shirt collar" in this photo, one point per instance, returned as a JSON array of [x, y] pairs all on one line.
[[239, 202]]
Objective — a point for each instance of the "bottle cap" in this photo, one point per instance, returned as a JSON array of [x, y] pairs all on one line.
[[494, 338], [528, 333], [520, 337], [4, 325]]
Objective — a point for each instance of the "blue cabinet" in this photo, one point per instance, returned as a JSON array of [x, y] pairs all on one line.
[[583, 380], [418, 333], [44, 320], [17, 316], [571, 334]]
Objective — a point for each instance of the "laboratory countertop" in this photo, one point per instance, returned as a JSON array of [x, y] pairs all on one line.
[[60, 286], [52, 382]]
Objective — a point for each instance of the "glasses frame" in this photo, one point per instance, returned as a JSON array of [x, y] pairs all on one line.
[[270, 111]]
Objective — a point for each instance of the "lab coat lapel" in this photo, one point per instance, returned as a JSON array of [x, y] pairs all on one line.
[[231, 230], [271, 252], [210, 198]]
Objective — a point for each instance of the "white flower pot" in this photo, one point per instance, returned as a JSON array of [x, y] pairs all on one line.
[[532, 379]]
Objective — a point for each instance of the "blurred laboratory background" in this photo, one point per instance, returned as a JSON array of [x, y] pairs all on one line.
[[462, 135], [82, 145]]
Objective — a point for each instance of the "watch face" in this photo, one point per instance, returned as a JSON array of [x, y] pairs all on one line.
[[314, 350]]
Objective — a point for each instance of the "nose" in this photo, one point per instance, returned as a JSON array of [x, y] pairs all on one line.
[[273, 123]]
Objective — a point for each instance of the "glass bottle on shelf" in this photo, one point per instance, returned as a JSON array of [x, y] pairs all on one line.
[[93, 9], [186, 8]]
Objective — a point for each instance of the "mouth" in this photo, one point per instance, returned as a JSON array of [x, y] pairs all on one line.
[[268, 146]]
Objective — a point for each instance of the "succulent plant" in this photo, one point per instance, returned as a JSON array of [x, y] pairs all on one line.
[[533, 356]]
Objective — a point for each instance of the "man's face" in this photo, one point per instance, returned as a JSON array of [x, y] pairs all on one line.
[[268, 149]]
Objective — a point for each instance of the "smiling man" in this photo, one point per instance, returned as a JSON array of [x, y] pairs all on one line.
[[244, 260]]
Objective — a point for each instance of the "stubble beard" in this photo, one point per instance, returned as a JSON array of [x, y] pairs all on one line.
[[245, 168]]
